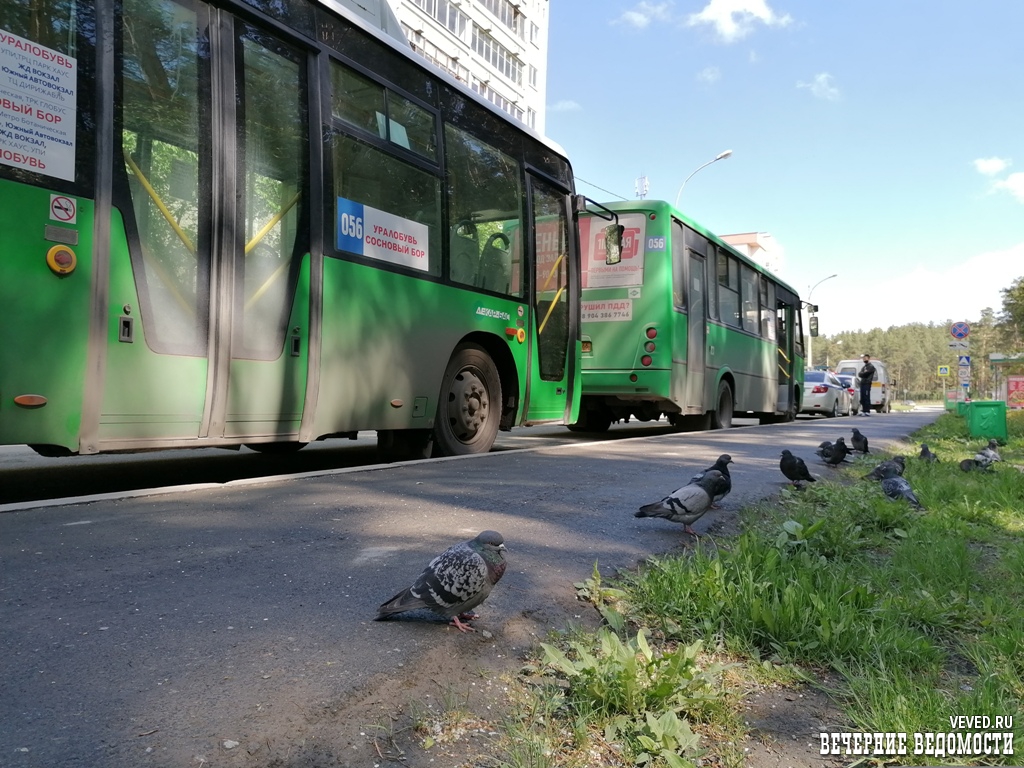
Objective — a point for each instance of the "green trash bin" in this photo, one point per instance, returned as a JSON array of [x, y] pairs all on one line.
[[962, 407], [987, 418]]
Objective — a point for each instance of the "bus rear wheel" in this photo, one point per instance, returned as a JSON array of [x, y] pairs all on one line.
[[469, 405], [721, 418]]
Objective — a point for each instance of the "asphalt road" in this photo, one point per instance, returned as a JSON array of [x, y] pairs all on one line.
[[146, 631]]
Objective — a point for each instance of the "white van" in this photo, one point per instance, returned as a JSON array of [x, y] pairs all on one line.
[[883, 388]]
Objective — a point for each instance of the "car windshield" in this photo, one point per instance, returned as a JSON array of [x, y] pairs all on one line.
[[814, 376], [846, 380]]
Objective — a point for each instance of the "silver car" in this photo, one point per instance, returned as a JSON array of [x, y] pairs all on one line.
[[825, 394]]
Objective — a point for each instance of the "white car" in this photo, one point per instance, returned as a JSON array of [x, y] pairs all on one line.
[[825, 394]]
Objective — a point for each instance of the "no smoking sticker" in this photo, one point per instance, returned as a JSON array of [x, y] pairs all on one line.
[[63, 209]]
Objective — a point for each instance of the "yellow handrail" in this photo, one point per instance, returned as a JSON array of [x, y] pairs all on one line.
[[551, 309], [551, 274], [266, 285], [784, 356], [182, 235], [272, 223]]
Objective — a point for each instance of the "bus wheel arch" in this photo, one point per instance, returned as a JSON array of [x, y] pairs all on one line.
[[725, 401], [469, 408]]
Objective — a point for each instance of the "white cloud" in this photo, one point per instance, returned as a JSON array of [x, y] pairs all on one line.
[[733, 20], [822, 87], [990, 166], [709, 75], [565, 105], [922, 295], [1014, 184], [643, 14]]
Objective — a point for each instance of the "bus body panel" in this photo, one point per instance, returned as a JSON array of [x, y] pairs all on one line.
[[45, 333]]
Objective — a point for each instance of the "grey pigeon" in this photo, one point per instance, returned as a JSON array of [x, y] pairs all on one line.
[[838, 453], [969, 465], [722, 465], [794, 468], [890, 468], [987, 455], [897, 488], [927, 455], [454, 582], [860, 443], [824, 449], [688, 504]]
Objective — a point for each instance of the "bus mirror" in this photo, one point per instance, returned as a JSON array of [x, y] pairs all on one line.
[[613, 243], [814, 325]]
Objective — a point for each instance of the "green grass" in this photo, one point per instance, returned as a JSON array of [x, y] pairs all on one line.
[[919, 615]]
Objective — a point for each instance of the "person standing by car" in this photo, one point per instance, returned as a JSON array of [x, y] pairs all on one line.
[[866, 376]]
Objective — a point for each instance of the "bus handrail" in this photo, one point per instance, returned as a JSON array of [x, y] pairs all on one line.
[[551, 309], [784, 356], [554, 268], [272, 223], [155, 197], [266, 285]]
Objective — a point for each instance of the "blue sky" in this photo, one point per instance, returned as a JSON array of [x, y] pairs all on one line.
[[880, 140]]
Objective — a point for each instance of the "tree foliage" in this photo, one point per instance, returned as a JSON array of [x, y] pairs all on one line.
[[914, 352]]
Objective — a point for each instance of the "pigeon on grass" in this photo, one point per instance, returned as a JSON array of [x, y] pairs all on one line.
[[688, 504], [860, 443], [897, 488], [893, 467], [927, 455], [721, 465], [794, 468], [987, 455], [454, 582]]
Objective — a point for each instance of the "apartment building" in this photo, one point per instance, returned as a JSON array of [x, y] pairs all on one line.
[[496, 47]]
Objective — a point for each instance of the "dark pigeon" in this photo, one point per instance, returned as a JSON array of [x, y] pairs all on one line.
[[897, 488], [927, 455], [838, 453], [721, 465], [969, 465], [454, 582], [890, 468], [824, 450], [860, 443], [688, 504], [794, 468]]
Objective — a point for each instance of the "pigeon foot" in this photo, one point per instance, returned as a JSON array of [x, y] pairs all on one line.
[[455, 622]]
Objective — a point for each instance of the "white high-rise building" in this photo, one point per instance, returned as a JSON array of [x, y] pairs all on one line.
[[499, 48]]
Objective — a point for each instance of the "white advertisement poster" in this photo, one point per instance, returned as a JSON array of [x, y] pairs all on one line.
[[38, 89], [629, 271], [376, 234]]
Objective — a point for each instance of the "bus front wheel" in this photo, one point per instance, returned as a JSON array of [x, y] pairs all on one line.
[[469, 405], [722, 416]]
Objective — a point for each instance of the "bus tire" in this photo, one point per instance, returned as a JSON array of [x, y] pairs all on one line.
[[469, 404], [721, 417]]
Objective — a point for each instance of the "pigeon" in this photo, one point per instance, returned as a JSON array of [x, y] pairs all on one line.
[[891, 468], [454, 582], [987, 455], [927, 455], [838, 453], [898, 488], [794, 468], [721, 465], [824, 450], [687, 504], [860, 443], [969, 465]]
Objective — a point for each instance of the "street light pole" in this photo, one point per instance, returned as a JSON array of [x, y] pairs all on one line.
[[810, 339], [719, 156]]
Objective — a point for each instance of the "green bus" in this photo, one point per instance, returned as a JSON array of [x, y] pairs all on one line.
[[684, 326], [268, 223]]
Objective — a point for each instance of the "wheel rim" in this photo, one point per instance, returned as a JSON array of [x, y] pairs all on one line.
[[469, 405], [725, 407]]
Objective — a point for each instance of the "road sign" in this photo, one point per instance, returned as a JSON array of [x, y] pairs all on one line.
[[960, 345], [964, 374], [964, 360], [959, 330], [943, 370]]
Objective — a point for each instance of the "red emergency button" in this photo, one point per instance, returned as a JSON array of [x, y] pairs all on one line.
[[61, 260]]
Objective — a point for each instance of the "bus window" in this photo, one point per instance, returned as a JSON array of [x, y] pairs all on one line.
[[729, 289], [751, 309], [484, 208], [678, 267], [161, 142], [767, 308]]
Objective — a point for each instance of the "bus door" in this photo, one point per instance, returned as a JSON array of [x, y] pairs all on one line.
[[553, 359], [210, 167], [696, 335], [787, 309]]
